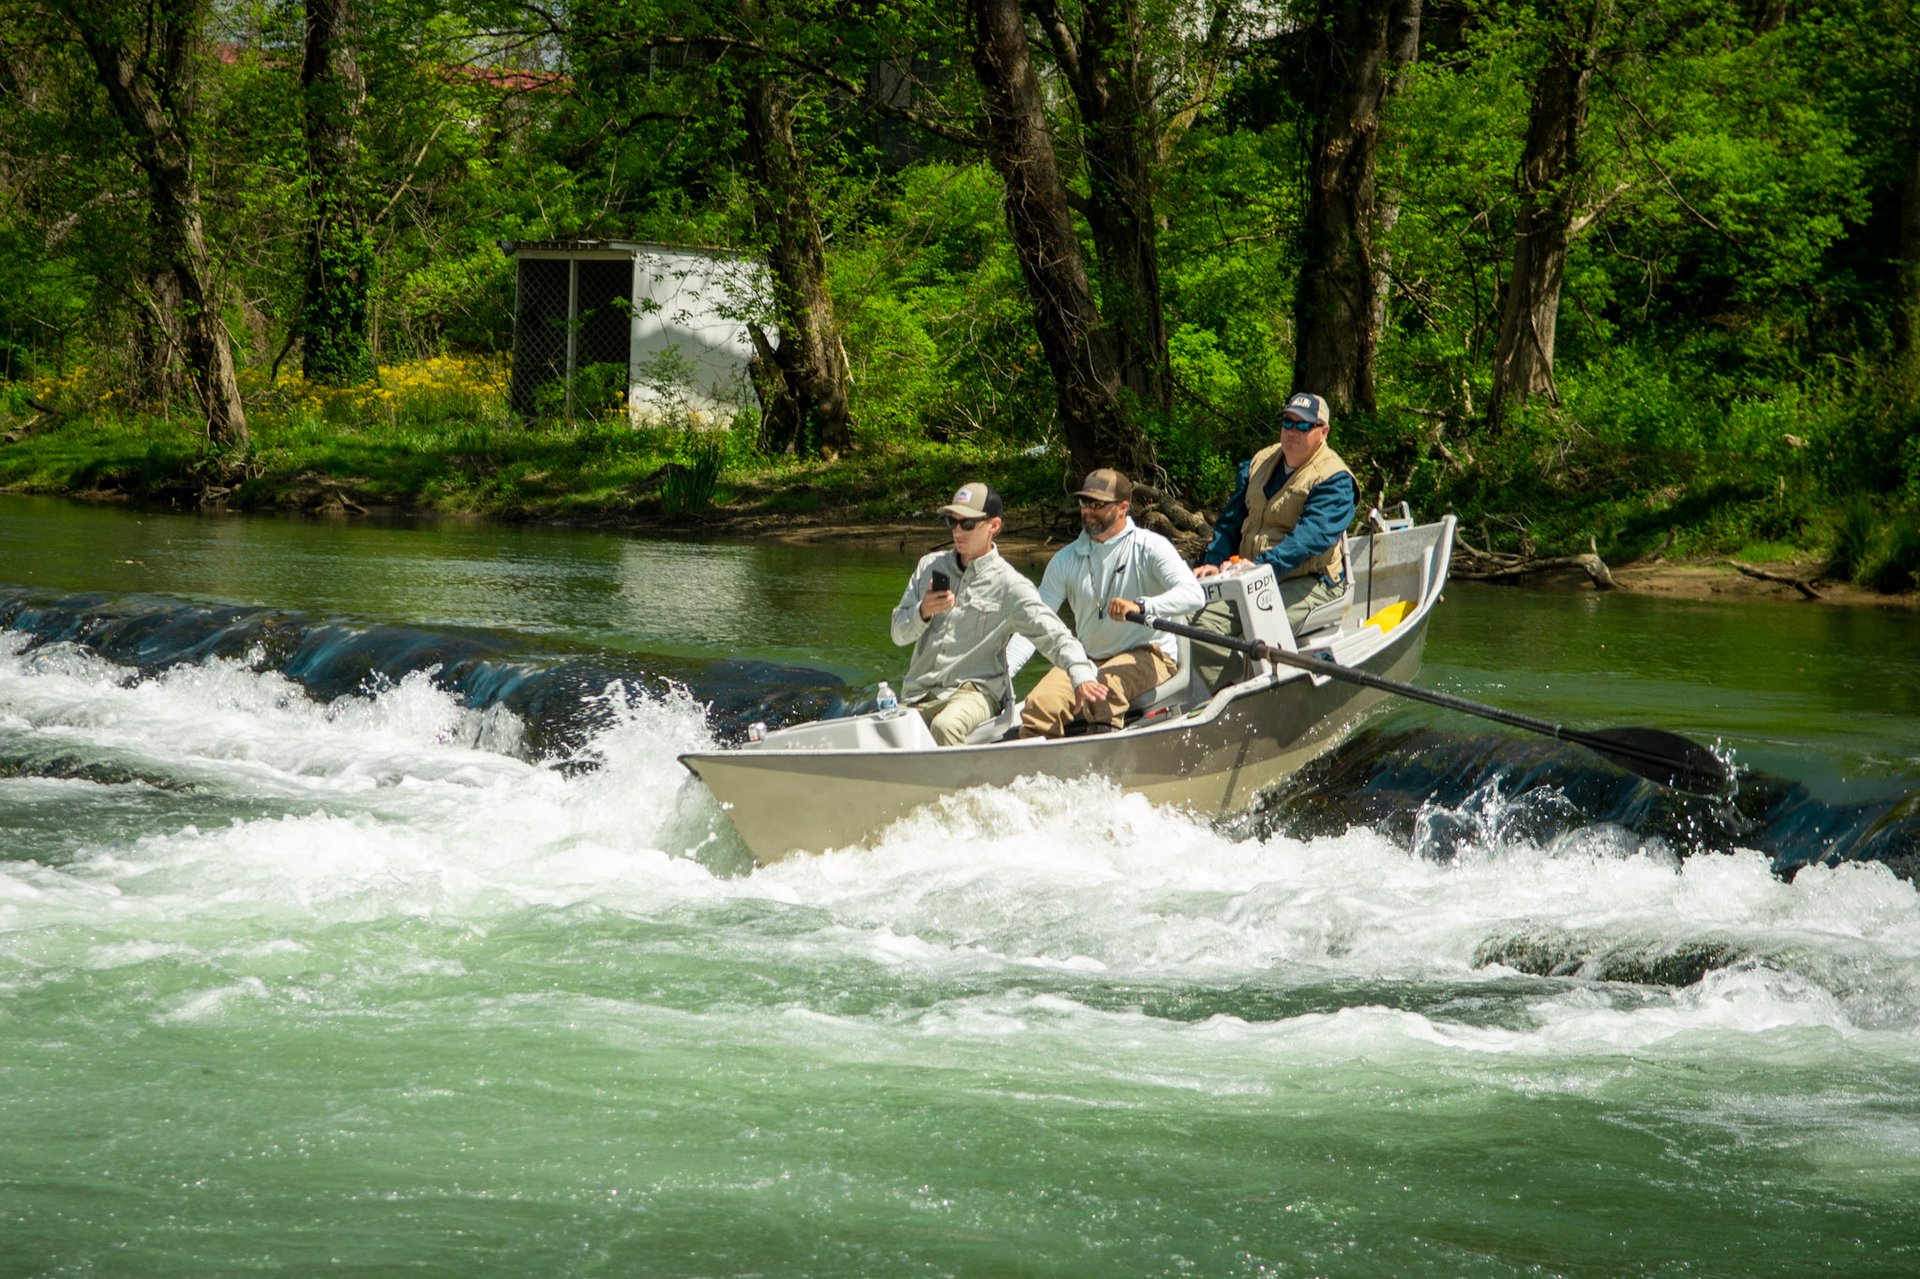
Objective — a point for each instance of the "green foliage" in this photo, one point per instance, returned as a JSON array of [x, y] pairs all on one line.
[[1854, 535], [935, 319], [1876, 544], [689, 484], [1897, 566]]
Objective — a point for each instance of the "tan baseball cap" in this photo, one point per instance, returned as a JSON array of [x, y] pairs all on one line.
[[1106, 485], [973, 501]]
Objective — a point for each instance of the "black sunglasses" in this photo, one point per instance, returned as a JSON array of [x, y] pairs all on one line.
[[1092, 503], [954, 521]]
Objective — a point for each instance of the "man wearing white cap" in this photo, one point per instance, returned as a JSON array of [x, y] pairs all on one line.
[[960, 608], [1292, 503], [1115, 575]]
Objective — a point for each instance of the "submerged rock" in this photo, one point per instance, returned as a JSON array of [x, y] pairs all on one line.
[[1551, 953]]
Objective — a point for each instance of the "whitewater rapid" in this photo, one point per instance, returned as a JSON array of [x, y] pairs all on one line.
[[217, 800]]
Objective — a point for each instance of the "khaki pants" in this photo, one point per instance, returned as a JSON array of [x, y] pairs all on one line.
[[1128, 676], [1301, 595], [951, 716]]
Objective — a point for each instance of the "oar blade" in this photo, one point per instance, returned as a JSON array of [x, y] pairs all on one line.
[[1657, 755]]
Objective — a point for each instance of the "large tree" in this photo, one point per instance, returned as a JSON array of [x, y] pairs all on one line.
[[145, 58], [1906, 328], [804, 377], [1079, 348], [1550, 199], [1103, 57], [1355, 47], [333, 312], [727, 80]]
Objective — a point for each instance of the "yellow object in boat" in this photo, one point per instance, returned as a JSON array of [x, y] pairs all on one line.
[[1390, 616]]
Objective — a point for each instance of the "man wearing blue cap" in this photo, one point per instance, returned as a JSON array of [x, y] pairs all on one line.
[[1290, 507]]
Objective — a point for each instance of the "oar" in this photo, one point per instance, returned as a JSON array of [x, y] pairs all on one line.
[[1652, 753]]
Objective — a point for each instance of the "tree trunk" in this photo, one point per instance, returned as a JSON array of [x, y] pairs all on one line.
[[150, 86], [1079, 349], [1353, 44], [1543, 226], [333, 314], [1105, 65], [1906, 325], [159, 346], [1403, 50], [804, 374]]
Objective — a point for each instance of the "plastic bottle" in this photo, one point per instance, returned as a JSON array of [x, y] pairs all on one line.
[[883, 698]]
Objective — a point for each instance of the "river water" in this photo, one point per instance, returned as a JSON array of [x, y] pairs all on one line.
[[357, 918]]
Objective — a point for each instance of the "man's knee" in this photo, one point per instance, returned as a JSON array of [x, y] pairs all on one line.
[[1047, 707], [949, 729], [955, 718]]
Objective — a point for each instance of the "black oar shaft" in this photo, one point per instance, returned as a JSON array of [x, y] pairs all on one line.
[[1671, 760]]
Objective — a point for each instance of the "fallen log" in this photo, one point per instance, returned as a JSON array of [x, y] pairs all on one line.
[[1765, 575], [1591, 565], [1504, 568]]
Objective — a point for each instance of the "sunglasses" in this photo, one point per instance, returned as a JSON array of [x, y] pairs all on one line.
[[965, 526], [1093, 504], [1295, 424]]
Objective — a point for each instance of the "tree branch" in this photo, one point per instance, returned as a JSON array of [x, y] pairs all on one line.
[[932, 124]]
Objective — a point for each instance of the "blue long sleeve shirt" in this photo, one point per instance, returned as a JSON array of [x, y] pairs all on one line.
[[1328, 512]]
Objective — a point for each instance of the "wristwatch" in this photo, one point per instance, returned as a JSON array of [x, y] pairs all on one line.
[[1141, 604]]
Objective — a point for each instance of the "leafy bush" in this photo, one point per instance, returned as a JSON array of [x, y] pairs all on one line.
[[1895, 565], [690, 480], [1853, 538]]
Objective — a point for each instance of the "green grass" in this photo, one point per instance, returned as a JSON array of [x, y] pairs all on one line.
[[590, 470]]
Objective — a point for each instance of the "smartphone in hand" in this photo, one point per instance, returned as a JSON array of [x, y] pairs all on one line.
[[940, 581]]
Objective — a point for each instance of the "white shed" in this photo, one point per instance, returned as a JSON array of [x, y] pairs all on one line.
[[675, 317]]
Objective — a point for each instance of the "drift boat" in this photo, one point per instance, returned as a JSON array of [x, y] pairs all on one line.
[[835, 783]]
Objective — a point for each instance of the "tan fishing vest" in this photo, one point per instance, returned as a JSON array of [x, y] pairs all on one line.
[[1269, 520]]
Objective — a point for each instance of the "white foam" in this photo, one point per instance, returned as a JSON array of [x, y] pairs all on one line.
[[383, 807]]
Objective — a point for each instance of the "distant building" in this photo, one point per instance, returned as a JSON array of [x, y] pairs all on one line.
[[663, 327]]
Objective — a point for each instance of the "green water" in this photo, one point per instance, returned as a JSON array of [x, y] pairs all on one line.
[[338, 989]]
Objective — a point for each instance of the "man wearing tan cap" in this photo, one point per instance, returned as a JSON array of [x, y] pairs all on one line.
[[1292, 503], [1115, 576], [959, 610]]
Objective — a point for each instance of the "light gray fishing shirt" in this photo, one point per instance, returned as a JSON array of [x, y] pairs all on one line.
[[992, 603], [1134, 564]]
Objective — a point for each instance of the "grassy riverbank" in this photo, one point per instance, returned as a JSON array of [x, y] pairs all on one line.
[[434, 437]]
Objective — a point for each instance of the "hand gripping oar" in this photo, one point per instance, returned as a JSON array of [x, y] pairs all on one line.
[[1652, 753]]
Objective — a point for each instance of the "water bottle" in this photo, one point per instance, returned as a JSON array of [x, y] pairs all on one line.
[[883, 698]]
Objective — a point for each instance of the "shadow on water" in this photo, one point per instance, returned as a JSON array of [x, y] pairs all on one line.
[[561, 697], [1446, 793]]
